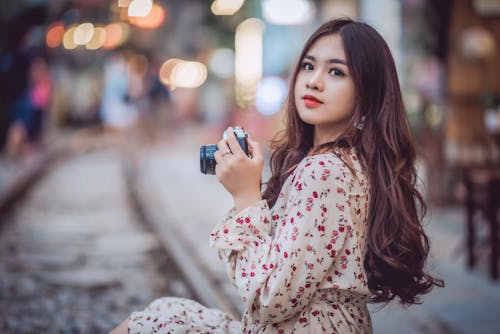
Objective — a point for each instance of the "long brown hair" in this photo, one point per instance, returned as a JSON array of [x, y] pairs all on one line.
[[397, 246]]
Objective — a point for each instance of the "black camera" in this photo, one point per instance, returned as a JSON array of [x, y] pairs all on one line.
[[207, 161]]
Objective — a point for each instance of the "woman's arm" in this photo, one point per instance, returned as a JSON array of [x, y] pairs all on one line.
[[277, 276]]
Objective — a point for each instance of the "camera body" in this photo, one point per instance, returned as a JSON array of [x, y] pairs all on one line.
[[207, 160]]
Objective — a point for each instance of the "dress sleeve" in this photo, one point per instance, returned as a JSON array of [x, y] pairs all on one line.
[[277, 275]]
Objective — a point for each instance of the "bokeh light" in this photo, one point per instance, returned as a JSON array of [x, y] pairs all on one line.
[[288, 12], [270, 95], [153, 20], [83, 33], [166, 70], [124, 3], [248, 60], [116, 34], [226, 7], [98, 39], [68, 40], [54, 36], [140, 8], [188, 74]]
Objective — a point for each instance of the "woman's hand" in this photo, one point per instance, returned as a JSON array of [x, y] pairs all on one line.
[[239, 173]]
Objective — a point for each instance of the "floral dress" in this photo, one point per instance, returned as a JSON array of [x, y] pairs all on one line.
[[298, 266]]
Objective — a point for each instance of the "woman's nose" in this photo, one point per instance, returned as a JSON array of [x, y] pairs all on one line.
[[315, 81]]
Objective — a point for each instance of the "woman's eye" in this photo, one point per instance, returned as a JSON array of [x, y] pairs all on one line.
[[336, 72], [307, 66]]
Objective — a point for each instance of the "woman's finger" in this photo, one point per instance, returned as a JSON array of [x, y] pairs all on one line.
[[222, 145], [233, 143], [256, 150], [218, 157]]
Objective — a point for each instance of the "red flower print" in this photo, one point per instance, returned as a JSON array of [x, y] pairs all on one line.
[[312, 199]]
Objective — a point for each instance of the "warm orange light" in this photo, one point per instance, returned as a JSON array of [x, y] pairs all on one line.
[[124, 3], [116, 34], [153, 20], [55, 35], [166, 70]]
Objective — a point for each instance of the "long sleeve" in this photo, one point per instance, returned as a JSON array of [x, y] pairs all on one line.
[[277, 271]]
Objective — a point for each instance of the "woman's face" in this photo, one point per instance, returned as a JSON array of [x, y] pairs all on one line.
[[324, 90]]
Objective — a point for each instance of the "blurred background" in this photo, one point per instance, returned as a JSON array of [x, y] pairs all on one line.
[[112, 99]]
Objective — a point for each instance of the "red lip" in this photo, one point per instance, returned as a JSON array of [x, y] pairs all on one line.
[[311, 100]]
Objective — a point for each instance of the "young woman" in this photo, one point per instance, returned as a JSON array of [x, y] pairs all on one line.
[[338, 224]]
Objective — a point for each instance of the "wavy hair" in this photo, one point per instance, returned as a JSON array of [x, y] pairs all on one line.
[[397, 246]]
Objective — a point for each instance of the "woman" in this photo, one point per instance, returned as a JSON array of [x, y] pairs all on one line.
[[338, 223]]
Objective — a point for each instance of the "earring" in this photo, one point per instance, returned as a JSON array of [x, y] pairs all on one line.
[[361, 124]]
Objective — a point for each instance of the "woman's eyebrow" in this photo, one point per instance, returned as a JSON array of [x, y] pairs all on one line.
[[333, 60]]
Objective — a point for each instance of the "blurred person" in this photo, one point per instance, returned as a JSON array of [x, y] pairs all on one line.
[[339, 222], [116, 111], [29, 108], [40, 96]]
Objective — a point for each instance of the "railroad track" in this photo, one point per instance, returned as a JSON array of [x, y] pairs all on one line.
[[79, 251]]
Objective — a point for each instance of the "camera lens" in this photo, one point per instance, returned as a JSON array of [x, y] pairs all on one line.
[[207, 160]]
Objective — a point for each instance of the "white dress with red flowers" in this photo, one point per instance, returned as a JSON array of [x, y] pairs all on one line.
[[298, 266]]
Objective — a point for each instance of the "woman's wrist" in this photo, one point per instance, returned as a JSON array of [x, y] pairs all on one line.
[[243, 201]]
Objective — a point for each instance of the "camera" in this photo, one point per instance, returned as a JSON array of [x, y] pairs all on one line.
[[207, 160]]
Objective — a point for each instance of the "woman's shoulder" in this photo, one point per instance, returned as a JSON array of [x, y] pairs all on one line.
[[339, 166], [338, 159]]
